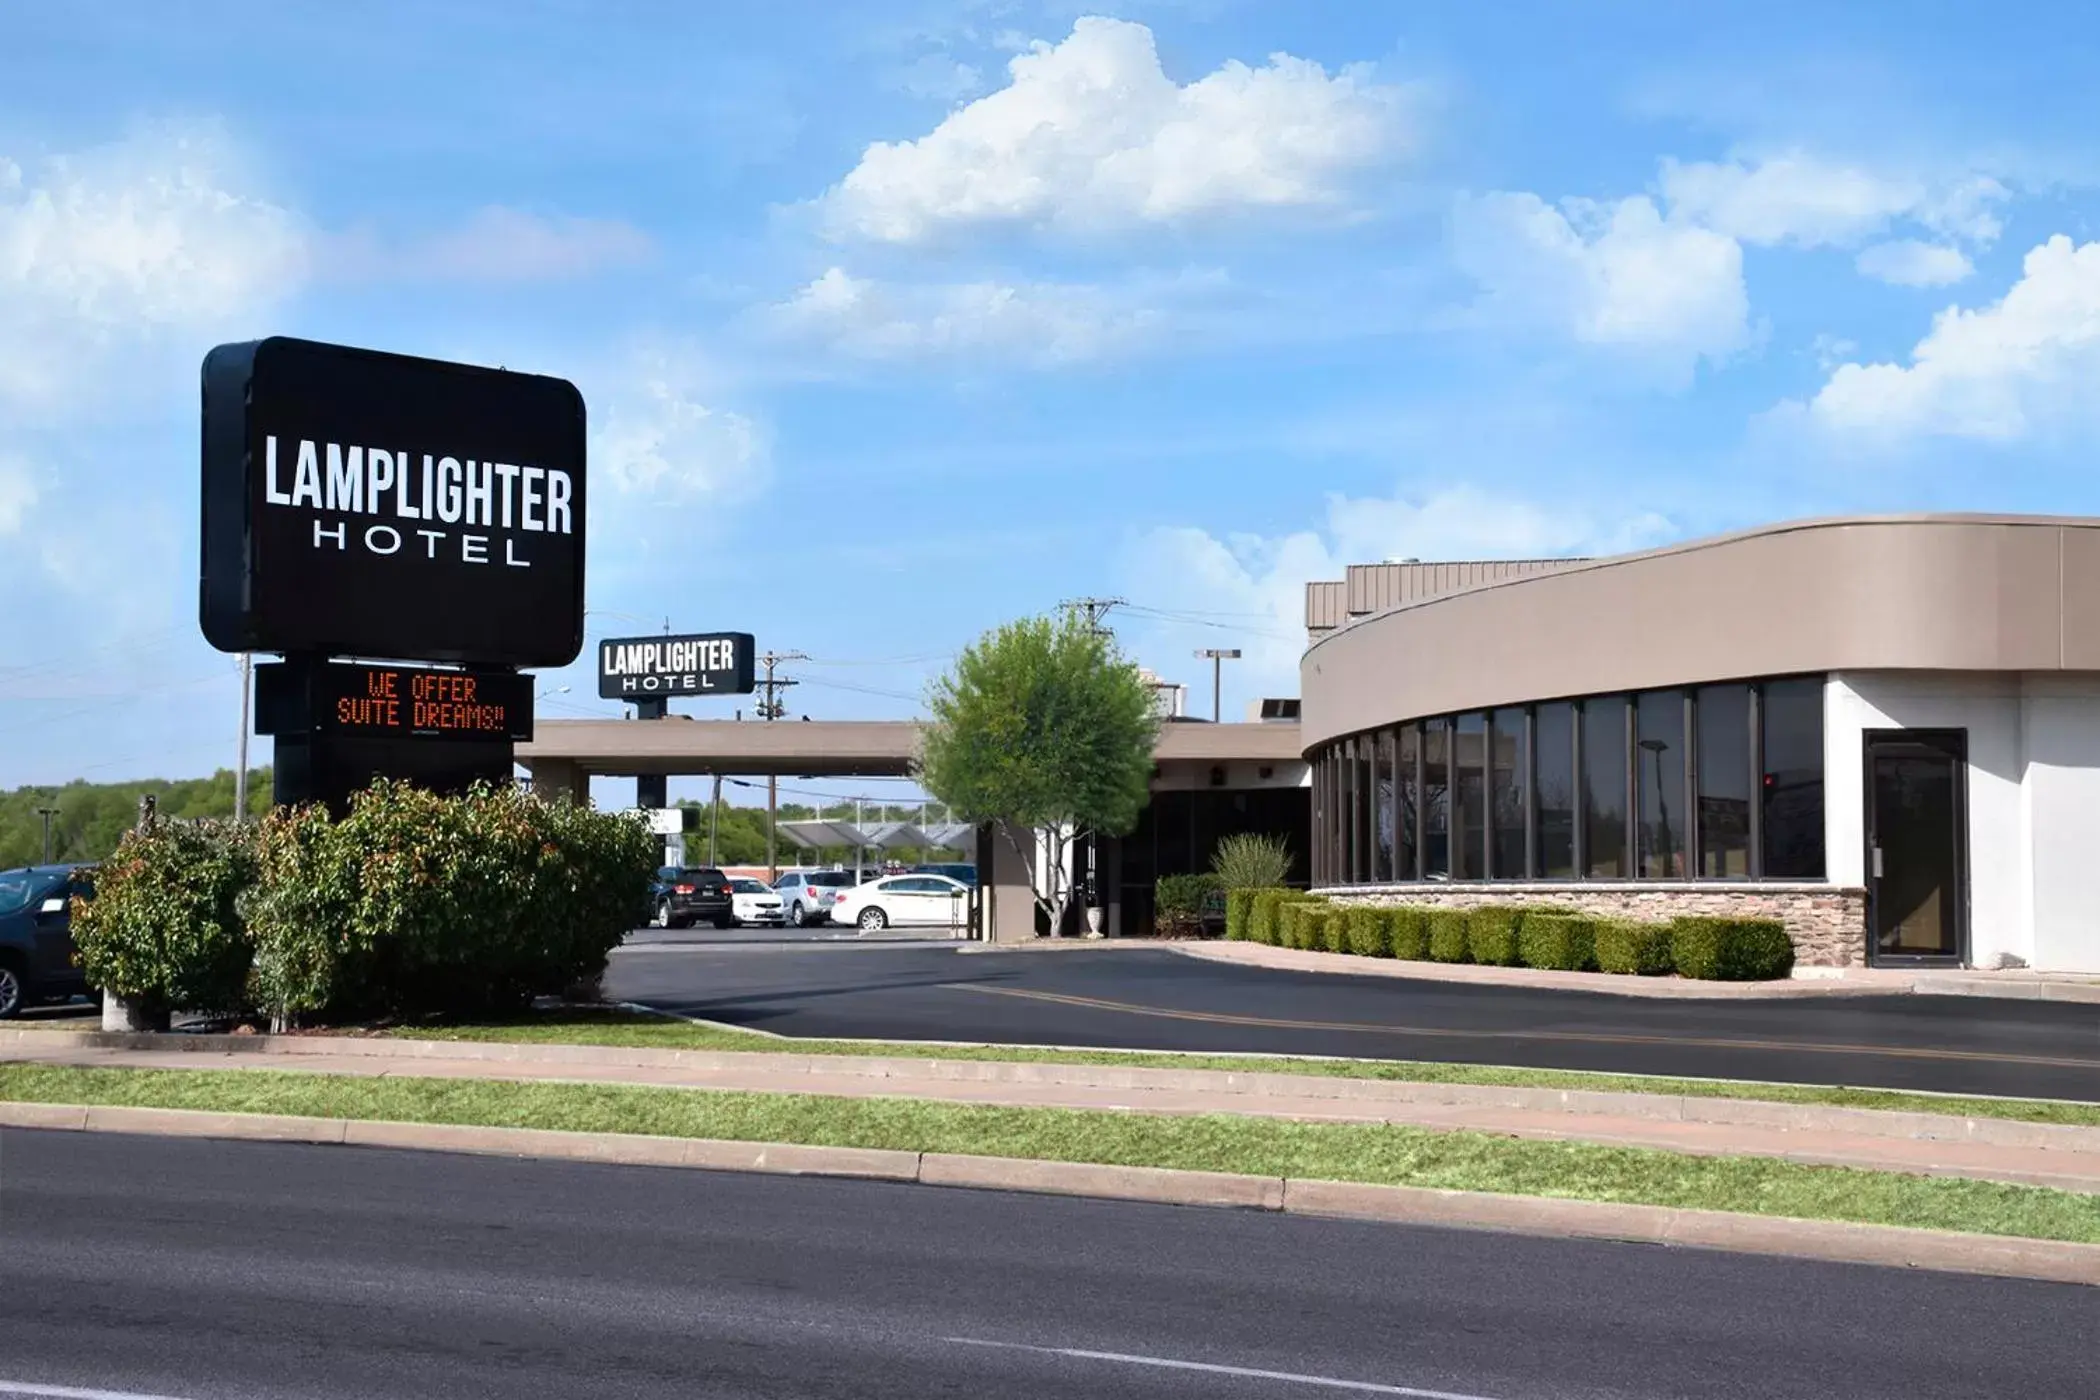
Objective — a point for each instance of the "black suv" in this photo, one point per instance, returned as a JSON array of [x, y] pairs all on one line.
[[696, 894], [36, 935]]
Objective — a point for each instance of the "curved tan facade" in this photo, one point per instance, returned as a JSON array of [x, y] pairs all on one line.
[[1887, 593]]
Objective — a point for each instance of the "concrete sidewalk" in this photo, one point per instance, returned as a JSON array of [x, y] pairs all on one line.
[[2010, 985], [1929, 1144]]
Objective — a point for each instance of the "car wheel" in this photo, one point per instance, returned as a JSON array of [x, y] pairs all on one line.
[[663, 915], [12, 993], [872, 919], [796, 918]]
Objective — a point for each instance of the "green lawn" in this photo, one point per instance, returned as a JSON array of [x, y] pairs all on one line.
[[1336, 1152], [639, 1029]]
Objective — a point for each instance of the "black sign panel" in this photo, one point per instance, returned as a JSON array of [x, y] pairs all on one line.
[[365, 504], [650, 668], [393, 702]]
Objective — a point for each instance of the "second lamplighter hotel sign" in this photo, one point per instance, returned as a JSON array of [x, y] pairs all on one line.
[[366, 504]]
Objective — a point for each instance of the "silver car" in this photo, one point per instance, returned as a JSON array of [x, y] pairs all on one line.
[[807, 895]]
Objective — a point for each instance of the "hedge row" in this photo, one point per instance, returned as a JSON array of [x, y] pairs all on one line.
[[410, 904], [1701, 946]]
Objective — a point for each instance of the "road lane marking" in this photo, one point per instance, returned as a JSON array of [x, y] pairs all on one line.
[[1215, 1369], [1221, 1018], [74, 1392]]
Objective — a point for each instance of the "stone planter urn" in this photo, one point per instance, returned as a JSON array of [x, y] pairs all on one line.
[[1096, 917]]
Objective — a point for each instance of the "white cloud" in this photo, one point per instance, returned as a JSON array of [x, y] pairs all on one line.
[[17, 493], [1810, 202], [1618, 275], [1908, 263], [1252, 587], [1091, 133], [495, 244], [1994, 373], [938, 78], [115, 246], [1037, 323], [658, 440]]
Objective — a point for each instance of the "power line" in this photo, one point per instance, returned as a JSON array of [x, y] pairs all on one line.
[[1094, 608]]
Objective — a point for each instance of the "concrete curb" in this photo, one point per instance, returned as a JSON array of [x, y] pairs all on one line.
[[1845, 982], [1828, 1241], [1896, 1124]]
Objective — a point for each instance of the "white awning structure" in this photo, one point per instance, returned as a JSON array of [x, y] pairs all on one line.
[[814, 835]]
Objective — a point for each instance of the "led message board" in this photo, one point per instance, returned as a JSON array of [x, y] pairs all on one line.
[[651, 668], [364, 504], [353, 700]]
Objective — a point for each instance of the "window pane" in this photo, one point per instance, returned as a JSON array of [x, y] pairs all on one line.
[[1367, 808], [1723, 721], [1604, 787], [1383, 869], [1436, 803], [1469, 789], [1404, 846], [1352, 815], [1556, 784], [1793, 779], [1509, 780], [1658, 776]]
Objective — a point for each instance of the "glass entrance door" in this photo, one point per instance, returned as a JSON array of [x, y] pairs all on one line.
[[1917, 820]]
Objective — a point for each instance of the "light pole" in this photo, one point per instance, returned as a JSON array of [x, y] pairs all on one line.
[[47, 813], [1217, 657], [240, 767]]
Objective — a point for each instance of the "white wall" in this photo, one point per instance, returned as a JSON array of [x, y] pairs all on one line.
[[1988, 706], [1192, 775], [2034, 800]]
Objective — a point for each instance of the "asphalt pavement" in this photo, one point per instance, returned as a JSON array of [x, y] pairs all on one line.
[[1156, 999], [220, 1271]]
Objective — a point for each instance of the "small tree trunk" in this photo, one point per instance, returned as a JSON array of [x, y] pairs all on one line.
[[129, 1014]]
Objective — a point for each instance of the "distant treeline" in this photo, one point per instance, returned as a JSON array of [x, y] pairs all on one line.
[[92, 816]]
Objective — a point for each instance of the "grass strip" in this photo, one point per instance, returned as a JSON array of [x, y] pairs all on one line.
[[641, 1030], [1384, 1154]]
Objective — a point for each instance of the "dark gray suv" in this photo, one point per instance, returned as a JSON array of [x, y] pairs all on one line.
[[36, 935]]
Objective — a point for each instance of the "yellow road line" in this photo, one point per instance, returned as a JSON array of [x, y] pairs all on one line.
[[1219, 1018]]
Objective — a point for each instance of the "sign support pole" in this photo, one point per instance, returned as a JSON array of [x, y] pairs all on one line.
[[240, 769]]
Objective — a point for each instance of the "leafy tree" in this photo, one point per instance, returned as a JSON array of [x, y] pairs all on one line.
[[1042, 726], [93, 817]]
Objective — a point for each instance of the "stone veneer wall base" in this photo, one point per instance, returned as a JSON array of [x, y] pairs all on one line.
[[1828, 923]]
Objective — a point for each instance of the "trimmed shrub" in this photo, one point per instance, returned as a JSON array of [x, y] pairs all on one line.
[[1730, 950], [1265, 917], [1448, 939], [1407, 933], [1558, 940], [1491, 935], [1250, 861], [1304, 929], [1370, 931], [1177, 908], [1239, 913], [1333, 926], [1625, 945], [164, 928]]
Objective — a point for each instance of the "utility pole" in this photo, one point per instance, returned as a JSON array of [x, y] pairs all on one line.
[[240, 768], [769, 709], [47, 813], [1217, 657], [1095, 609], [714, 813]]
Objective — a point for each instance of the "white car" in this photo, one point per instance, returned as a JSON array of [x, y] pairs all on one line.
[[753, 901], [903, 899]]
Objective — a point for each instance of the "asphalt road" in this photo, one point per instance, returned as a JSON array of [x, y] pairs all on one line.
[[1158, 999], [210, 1271]]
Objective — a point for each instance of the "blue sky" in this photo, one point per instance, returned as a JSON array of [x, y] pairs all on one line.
[[896, 321]]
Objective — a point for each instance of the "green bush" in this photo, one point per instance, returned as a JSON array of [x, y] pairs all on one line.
[[1265, 916], [1296, 925], [417, 904], [1251, 862], [1369, 931], [1558, 940], [1333, 925], [164, 928], [1178, 900], [1239, 913], [1730, 950], [1625, 945], [1448, 940], [1491, 935], [1407, 932]]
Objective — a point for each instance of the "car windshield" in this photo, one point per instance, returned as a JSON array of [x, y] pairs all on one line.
[[836, 878], [19, 887], [745, 886], [700, 872]]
